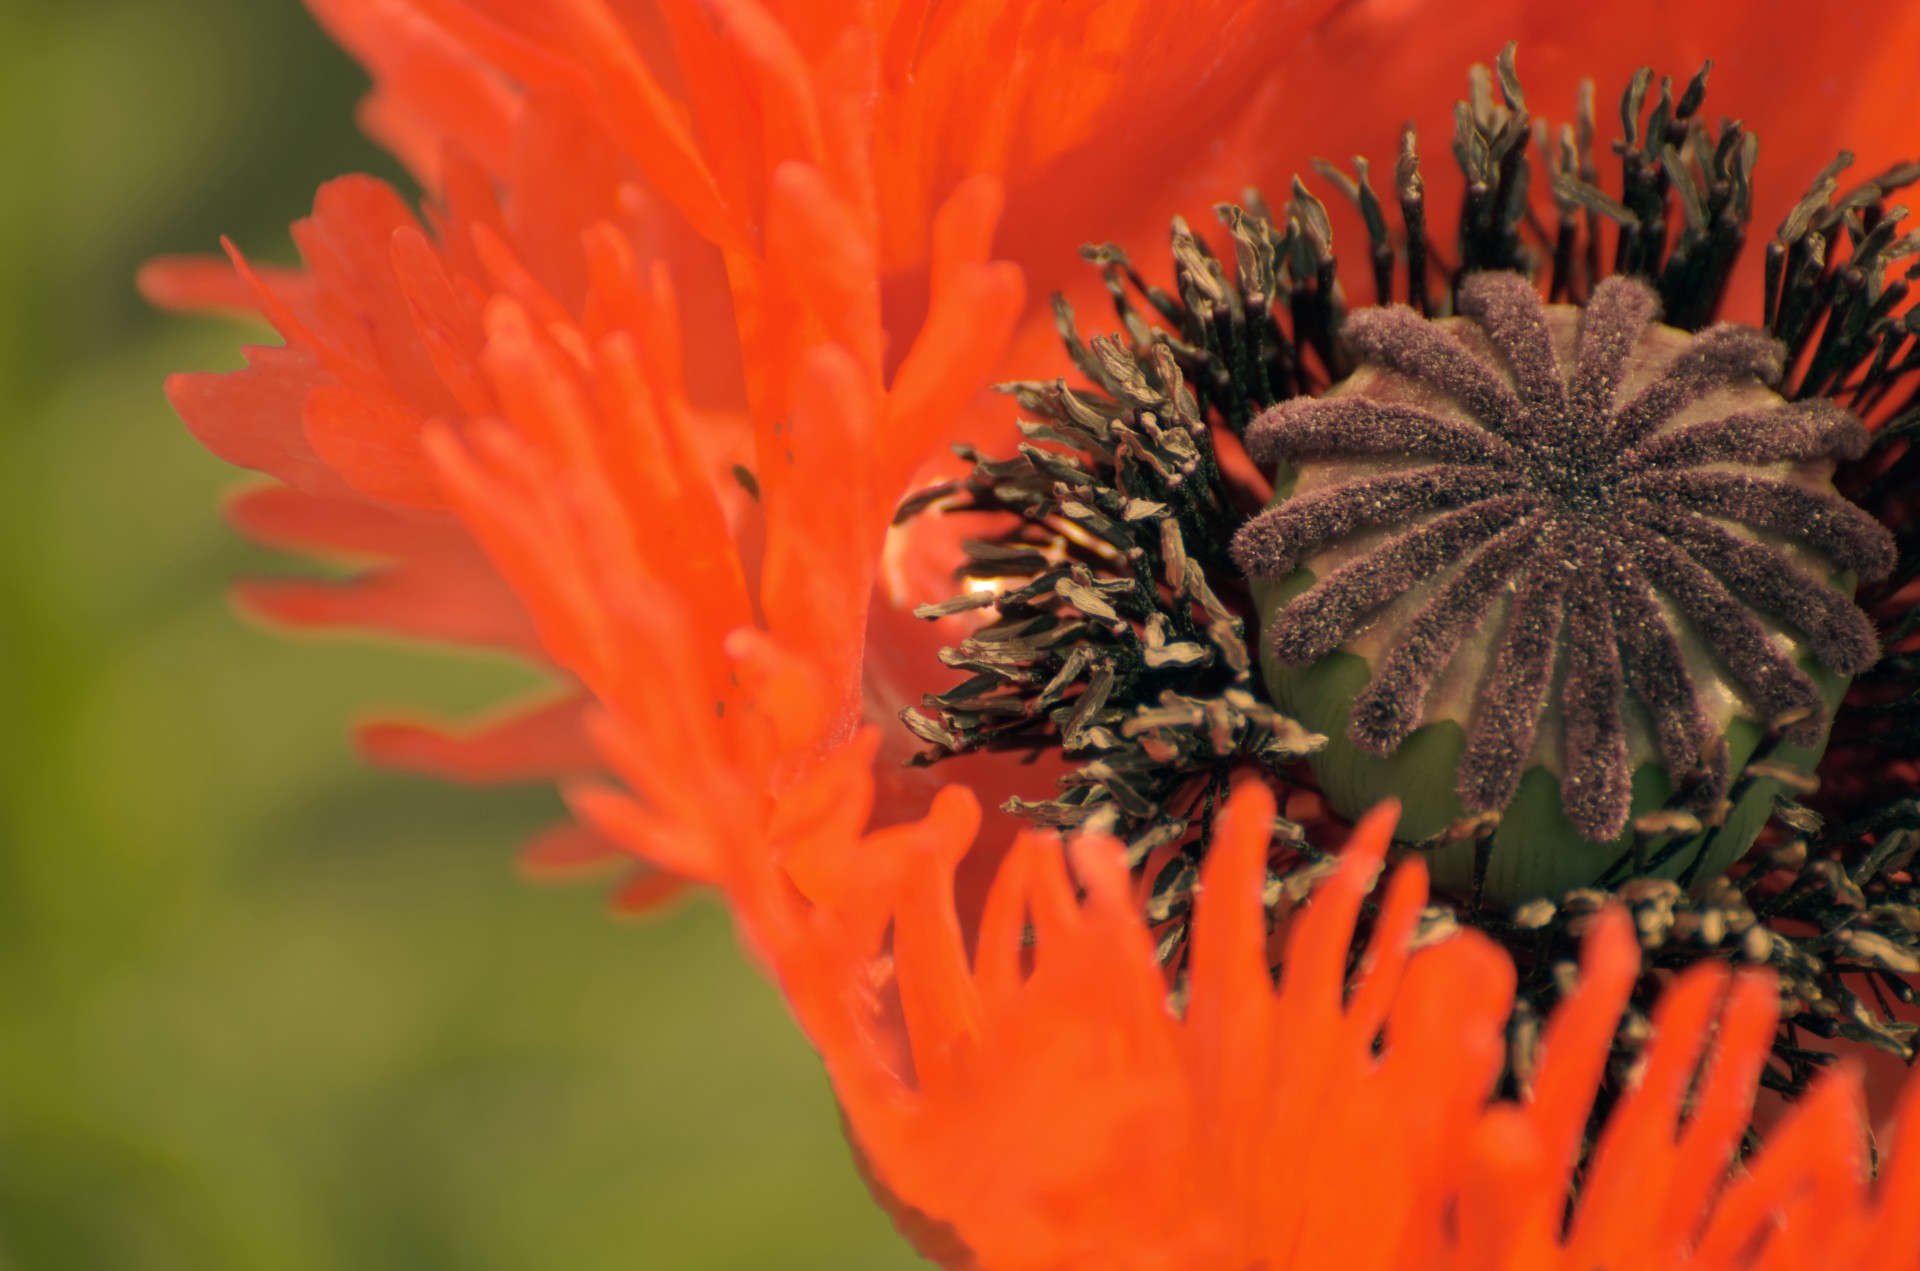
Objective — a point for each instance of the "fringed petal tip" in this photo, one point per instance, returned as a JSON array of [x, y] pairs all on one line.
[[546, 741], [199, 284], [1252, 1072], [570, 853]]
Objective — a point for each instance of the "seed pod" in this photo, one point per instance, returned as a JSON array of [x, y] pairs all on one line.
[[1565, 565]]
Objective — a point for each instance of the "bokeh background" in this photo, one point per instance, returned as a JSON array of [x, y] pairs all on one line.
[[261, 1007]]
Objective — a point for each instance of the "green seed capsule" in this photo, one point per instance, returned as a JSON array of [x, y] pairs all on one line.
[[1565, 571]]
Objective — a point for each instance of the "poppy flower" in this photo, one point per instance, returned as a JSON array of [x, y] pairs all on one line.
[[696, 295]]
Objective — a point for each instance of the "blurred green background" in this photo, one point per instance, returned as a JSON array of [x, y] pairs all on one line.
[[261, 1007]]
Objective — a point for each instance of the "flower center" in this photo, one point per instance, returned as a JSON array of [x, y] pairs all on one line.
[[1587, 542], [1578, 488], [1530, 565]]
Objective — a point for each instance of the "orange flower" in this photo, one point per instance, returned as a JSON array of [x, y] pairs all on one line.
[[699, 290]]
